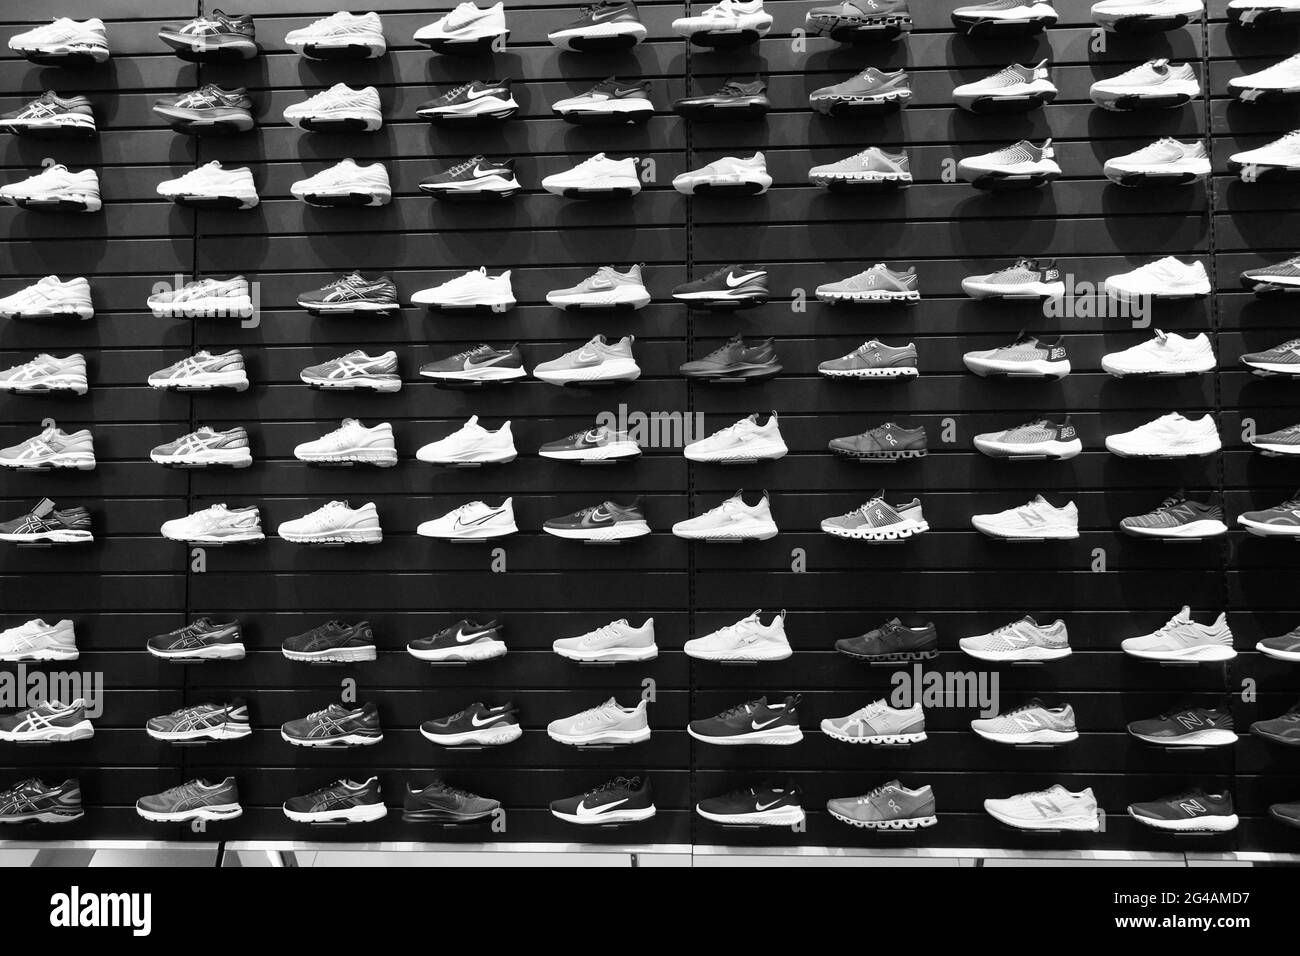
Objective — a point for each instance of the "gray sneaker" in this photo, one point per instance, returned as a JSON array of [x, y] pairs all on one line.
[[1031, 723], [607, 288], [891, 806], [196, 800], [878, 723], [870, 91], [1284, 441], [877, 284], [356, 370], [873, 167], [878, 520], [873, 359], [598, 361]]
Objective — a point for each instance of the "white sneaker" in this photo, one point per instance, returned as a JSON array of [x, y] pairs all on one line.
[[1279, 81], [333, 523], [1036, 519], [1165, 278], [1022, 640], [37, 641], [607, 288], [727, 16], [64, 39], [1053, 809], [46, 373], [465, 25], [608, 723], [352, 441], [599, 174], [471, 443], [733, 520], [1146, 15], [217, 524], [1169, 436], [338, 108], [1167, 354], [204, 371], [56, 187], [212, 184], [473, 290], [345, 184], [746, 440], [729, 175], [1165, 159], [49, 298], [473, 520], [340, 35], [1031, 84], [749, 639], [614, 642], [1283, 154], [212, 298], [1156, 84], [1183, 639]]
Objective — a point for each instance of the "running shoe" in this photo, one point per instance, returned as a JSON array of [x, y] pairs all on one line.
[[34, 801], [47, 722], [335, 726], [356, 370], [1178, 516], [1169, 436], [877, 520], [212, 185], [1166, 162], [474, 521], [1284, 729], [892, 641], [352, 442], [216, 524], [474, 178], [1004, 17], [480, 364], [352, 294], [1156, 84], [734, 100], [335, 642], [1263, 13], [1191, 810], [1022, 640], [51, 116], [749, 639], [201, 640], [775, 803], [47, 522], [1020, 164], [1166, 355], [1026, 357], [1278, 83], [727, 287], [203, 371], [607, 723], [1037, 519], [344, 801], [608, 521], [477, 724], [212, 36], [340, 36], [873, 359], [890, 806], [871, 91], [1023, 279], [206, 446], [872, 168], [606, 289], [1188, 725], [209, 298], [1183, 639], [598, 361], [611, 101], [621, 800], [1031, 723], [56, 188], [605, 25], [1265, 280], [736, 360], [1282, 520], [754, 722], [473, 290], [471, 444], [728, 176], [746, 440], [877, 284], [1013, 89], [209, 109], [46, 374], [336, 522], [198, 799], [1146, 16], [599, 177], [1055, 808], [1283, 359], [1165, 278], [1278, 444], [859, 19], [1288, 813], [439, 802], [1038, 438], [1285, 647], [53, 448], [725, 23], [202, 722], [878, 723], [339, 109], [887, 443], [466, 27], [479, 101], [35, 640], [615, 642], [600, 443], [50, 298], [733, 520], [465, 640], [63, 42], [346, 183]]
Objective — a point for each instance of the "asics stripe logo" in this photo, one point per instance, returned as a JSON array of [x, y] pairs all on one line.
[[733, 280]]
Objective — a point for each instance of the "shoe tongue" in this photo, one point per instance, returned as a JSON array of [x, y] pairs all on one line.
[[1034, 702], [598, 339], [1039, 500], [1184, 616], [753, 618], [894, 622], [473, 420], [349, 422], [753, 419], [340, 88], [337, 504], [894, 783]]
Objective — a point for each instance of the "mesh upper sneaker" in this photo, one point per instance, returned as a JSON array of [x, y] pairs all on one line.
[[872, 166], [1183, 639], [592, 444], [439, 802], [352, 293], [46, 373], [1165, 160], [1027, 357], [344, 801], [621, 800], [1190, 810], [465, 25], [1284, 441], [198, 799], [749, 639], [746, 440], [1146, 15], [606, 288], [607, 723], [890, 806], [478, 101], [1188, 725], [1280, 520], [733, 520], [726, 17], [870, 88], [339, 35], [52, 115], [212, 183], [603, 24], [730, 286], [611, 100], [1055, 808], [1023, 279], [1012, 87], [356, 370], [1165, 278], [877, 284], [202, 722], [1281, 156], [336, 521], [48, 721], [207, 446], [1166, 354], [887, 442], [1282, 359], [735, 99], [49, 298], [1178, 516], [346, 183], [334, 641], [614, 642], [877, 520], [473, 520], [1281, 277], [729, 175], [56, 187], [1288, 813], [775, 803], [35, 640], [1022, 640], [736, 360], [1038, 438], [598, 361], [201, 640], [45, 522], [754, 722], [1036, 519], [339, 108], [63, 41], [482, 363], [600, 175], [1278, 82], [1031, 723], [608, 521], [1286, 647], [471, 443], [465, 640], [203, 371], [873, 359], [1030, 15], [335, 726], [883, 17], [215, 298], [878, 723], [352, 442], [212, 34], [476, 724], [892, 641], [52, 448], [1019, 162], [216, 524], [1154, 84], [34, 801], [1169, 436], [470, 290], [208, 107], [476, 177], [1281, 730]]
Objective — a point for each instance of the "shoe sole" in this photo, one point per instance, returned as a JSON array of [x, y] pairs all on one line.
[[901, 823]]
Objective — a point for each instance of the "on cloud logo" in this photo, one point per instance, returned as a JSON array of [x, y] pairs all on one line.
[[77, 910]]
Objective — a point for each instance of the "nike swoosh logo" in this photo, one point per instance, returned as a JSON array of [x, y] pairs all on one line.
[[480, 171], [462, 523], [478, 94], [761, 807], [601, 515], [483, 723], [462, 637], [585, 356], [471, 363], [733, 280], [757, 726], [586, 811]]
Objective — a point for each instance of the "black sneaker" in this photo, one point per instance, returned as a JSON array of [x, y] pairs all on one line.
[[476, 178], [344, 801], [621, 800], [33, 801], [1188, 725], [1281, 730], [481, 364], [52, 116], [464, 641], [727, 287], [477, 724], [775, 803], [734, 100], [212, 36], [608, 521], [1288, 813], [887, 442], [603, 26], [335, 642], [203, 640], [1192, 809], [440, 802], [45, 522], [479, 101], [335, 726], [350, 294], [600, 443], [736, 360], [755, 722], [202, 722], [893, 641], [207, 109], [1178, 516]]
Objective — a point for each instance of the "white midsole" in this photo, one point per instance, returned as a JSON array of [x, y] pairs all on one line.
[[1199, 738], [753, 450], [1046, 530], [469, 651], [429, 530], [738, 530], [610, 368], [210, 652], [1199, 652], [1186, 450], [1203, 528], [1218, 823], [1119, 371], [1076, 822], [632, 104], [615, 449], [224, 811], [776, 817], [601, 737], [767, 651], [1041, 735], [1030, 653], [594, 184], [484, 373], [356, 535], [980, 290], [199, 379], [1054, 448], [1278, 655], [484, 104], [636, 296], [1043, 367], [612, 654], [379, 456], [780, 736], [81, 730], [1268, 530], [477, 455], [613, 816], [615, 532], [489, 736], [239, 457], [227, 731], [362, 813]]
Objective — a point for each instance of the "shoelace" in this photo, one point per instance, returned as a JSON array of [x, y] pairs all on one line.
[[618, 783], [462, 166], [733, 88], [449, 790], [863, 714], [746, 708], [463, 509]]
